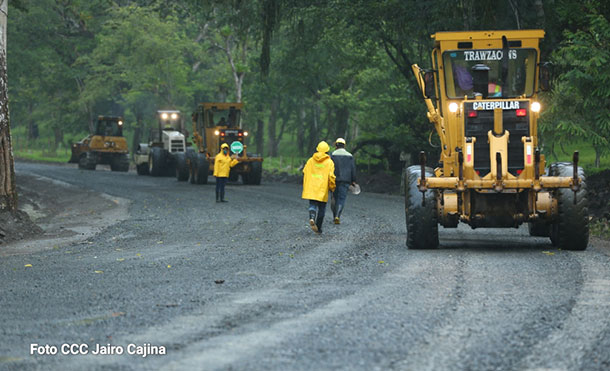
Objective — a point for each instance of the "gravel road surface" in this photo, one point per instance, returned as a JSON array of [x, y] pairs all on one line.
[[247, 285]]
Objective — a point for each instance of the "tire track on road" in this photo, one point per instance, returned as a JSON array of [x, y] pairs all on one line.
[[566, 347]]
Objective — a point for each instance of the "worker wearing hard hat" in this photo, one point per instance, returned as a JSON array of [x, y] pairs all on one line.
[[223, 163], [318, 179], [345, 172]]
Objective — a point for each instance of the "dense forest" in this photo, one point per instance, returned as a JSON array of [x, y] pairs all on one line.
[[306, 70]]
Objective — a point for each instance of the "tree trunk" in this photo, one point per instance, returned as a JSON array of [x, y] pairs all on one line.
[[598, 157], [342, 117], [137, 133], [313, 129], [8, 193], [260, 135], [540, 17], [301, 115], [272, 127], [59, 137], [32, 126]]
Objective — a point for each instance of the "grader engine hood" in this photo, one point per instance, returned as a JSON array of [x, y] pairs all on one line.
[[173, 141]]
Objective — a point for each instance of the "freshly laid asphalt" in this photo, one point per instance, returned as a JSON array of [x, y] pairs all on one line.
[[247, 285]]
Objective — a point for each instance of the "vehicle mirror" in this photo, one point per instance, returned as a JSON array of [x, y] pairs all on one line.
[[545, 77], [429, 90]]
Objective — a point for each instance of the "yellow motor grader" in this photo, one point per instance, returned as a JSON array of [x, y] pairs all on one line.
[[213, 125], [482, 98], [105, 146]]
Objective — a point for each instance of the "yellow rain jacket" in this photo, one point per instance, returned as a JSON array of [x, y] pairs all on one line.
[[223, 163], [319, 175]]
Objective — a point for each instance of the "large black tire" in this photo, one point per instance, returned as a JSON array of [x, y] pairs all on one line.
[[191, 163], [201, 166], [571, 231], [255, 174], [233, 176], [182, 171], [87, 161], [422, 223], [156, 161], [120, 163], [142, 169]]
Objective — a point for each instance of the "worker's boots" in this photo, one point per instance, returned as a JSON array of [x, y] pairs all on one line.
[[337, 218], [217, 197], [312, 221], [319, 224]]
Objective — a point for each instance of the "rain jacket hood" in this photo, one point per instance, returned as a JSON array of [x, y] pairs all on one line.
[[323, 147], [319, 175], [320, 156]]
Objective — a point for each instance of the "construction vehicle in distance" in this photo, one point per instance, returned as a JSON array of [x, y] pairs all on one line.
[[482, 98], [106, 146], [213, 125], [166, 147]]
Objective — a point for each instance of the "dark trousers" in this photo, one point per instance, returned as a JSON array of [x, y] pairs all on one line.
[[220, 188], [339, 196], [317, 209]]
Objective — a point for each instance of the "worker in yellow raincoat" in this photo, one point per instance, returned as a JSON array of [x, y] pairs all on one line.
[[223, 163], [318, 180]]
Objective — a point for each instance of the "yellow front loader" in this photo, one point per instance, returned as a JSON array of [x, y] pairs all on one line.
[[482, 98]]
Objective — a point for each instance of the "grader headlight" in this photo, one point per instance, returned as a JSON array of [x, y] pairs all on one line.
[[164, 116], [453, 107], [535, 107], [174, 116]]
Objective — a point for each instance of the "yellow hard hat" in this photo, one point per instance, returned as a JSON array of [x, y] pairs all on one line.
[[224, 145], [323, 147], [340, 140]]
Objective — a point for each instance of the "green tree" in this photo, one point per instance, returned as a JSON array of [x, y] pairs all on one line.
[[580, 104]]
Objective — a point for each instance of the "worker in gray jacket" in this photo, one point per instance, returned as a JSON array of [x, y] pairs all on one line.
[[345, 172]]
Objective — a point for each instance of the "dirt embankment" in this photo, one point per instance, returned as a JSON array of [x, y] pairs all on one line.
[[17, 225], [598, 186], [53, 213]]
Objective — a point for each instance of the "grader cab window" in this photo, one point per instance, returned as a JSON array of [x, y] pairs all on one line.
[[227, 117], [470, 72], [109, 128]]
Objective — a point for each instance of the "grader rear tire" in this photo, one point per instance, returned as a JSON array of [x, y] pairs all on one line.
[[256, 173], [87, 161], [142, 169], [422, 223], [120, 163], [571, 231], [201, 169], [156, 161], [182, 171]]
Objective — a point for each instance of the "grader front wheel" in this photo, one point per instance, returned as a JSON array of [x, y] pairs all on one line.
[[571, 231], [422, 224]]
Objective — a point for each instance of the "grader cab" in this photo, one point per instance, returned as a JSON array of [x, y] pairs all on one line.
[[482, 98]]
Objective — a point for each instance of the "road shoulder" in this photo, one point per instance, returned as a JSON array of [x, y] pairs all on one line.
[[66, 214]]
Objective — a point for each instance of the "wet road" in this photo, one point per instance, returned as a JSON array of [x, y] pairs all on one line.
[[352, 298]]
